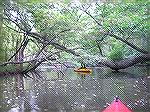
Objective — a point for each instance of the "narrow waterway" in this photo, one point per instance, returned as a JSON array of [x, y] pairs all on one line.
[[63, 90]]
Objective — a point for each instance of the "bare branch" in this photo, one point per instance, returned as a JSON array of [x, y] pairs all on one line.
[[91, 16], [21, 62], [41, 61], [13, 29], [24, 43]]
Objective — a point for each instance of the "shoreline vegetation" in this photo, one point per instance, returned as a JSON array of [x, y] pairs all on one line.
[[13, 69]]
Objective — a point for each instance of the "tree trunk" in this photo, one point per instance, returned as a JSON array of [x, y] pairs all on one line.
[[126, 62], [2, 50], [19, 56]]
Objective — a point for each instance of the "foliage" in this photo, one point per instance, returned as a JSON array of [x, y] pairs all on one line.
[[73, 27], [117, 52]]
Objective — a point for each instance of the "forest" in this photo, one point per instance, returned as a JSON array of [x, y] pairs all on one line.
[[74, 56], [111, 34]]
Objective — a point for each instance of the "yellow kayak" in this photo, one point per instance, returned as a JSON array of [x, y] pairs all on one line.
[[85, 70]]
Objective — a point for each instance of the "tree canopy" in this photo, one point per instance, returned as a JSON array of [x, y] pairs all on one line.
[[35, 31]]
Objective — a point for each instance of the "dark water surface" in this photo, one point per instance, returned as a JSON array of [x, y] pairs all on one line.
[[67, 91]]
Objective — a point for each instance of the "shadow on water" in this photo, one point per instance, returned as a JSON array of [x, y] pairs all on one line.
[[67, 91]]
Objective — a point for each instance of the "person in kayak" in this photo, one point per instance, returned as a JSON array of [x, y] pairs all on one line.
[[82, 66]]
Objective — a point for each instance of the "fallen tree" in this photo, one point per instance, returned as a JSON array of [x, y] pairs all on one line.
[[42, 41], [125, 63], [45, 40]]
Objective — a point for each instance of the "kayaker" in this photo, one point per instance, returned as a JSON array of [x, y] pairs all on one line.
[[82, 66]]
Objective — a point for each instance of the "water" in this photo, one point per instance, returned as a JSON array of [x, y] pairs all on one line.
[[67, 91]]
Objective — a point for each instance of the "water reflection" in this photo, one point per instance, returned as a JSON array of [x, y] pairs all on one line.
[[68, 91]]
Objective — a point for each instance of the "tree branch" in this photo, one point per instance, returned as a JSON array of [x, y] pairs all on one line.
[[118, 38], [13, 29], [21, 62], [91, 16], [24, 43], [126, 42], [39, 62]]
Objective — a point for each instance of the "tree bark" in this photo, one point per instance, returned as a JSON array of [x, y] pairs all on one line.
[[19, 55], [2, 49], [125, 63], [22, 46]]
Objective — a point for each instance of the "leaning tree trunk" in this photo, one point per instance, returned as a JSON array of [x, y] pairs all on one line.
[[126, 62], [19, 56], [2, 53]]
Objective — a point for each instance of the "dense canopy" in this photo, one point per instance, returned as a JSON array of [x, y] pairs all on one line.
[[96, 33]]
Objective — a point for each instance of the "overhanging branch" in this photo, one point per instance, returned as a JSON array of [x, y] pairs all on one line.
[[45, 40], [126, 42], [117, 37]]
